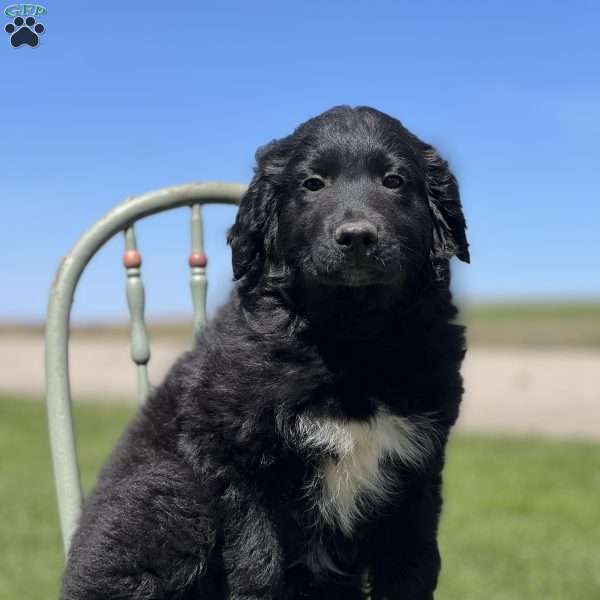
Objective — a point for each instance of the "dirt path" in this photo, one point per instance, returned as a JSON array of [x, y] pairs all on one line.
[[555, 392]]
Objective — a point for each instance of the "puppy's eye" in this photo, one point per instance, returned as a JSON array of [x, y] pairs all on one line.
[[314, 184], [393, 182]]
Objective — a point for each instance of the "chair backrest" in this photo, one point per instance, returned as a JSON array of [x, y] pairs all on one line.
[[58, 394]]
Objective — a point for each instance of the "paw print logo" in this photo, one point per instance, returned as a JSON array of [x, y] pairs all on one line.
[[24, 32]]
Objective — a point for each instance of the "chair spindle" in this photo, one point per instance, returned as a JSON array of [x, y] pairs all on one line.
[[197, 262], [140, 346]]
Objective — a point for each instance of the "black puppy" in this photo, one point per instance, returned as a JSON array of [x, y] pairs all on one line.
[[297, 451]]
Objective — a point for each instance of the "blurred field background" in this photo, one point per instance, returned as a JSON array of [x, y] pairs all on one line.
[[521, 516], [534, 324], [516, 324]]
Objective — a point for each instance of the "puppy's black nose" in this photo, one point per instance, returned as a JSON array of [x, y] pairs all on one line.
[[357, 235]]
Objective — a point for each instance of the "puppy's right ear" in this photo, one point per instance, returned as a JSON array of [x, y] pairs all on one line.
[[253, 232]]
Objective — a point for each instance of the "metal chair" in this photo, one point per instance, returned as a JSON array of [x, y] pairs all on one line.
[[58, 395]]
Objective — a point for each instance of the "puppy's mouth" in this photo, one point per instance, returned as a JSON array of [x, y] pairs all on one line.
[[353, 279], [353, 271]]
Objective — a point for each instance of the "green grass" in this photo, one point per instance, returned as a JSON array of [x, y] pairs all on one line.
[[521, 518], [29, 535]]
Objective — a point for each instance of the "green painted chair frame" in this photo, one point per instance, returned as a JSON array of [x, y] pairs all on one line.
[[58, 393]]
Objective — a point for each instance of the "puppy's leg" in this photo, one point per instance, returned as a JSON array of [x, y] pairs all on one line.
[[252, 554], [402, 557], [146, 533], [348, 589]]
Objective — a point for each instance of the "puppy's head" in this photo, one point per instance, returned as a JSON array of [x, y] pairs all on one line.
[[351, 198]]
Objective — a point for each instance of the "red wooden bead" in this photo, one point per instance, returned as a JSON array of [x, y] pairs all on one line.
[[132, 259], [198, 259]]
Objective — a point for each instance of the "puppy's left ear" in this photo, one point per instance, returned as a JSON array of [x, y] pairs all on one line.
[[449, 227], [252, 236]]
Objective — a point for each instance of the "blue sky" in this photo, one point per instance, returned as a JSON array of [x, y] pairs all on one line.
[[121, 98]]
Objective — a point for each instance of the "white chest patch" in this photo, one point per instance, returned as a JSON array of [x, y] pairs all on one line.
[[355, 481]]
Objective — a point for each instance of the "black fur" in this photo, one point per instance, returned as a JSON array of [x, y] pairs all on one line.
[[206, 496]]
